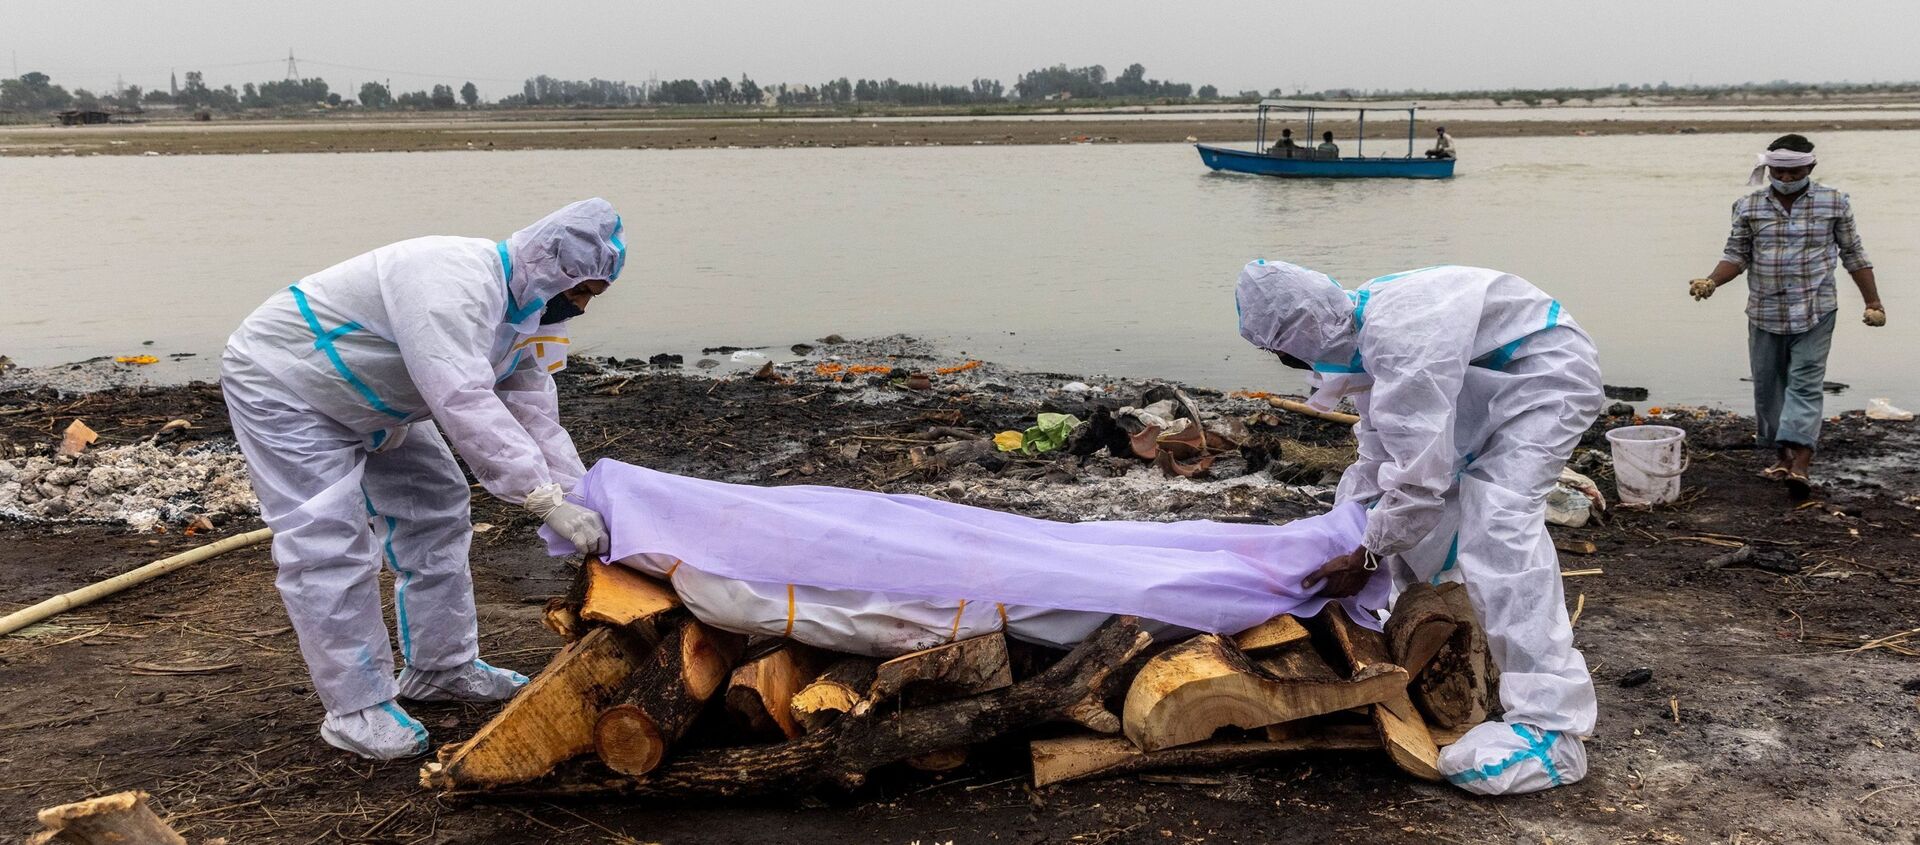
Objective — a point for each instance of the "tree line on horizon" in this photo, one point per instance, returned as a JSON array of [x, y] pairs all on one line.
[[36, 92]]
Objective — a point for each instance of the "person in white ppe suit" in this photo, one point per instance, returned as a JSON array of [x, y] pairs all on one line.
[[339, 388], [1472, 386]]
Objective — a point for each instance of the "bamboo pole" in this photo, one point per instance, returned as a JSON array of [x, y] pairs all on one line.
[[1304, 409], [100, 589]]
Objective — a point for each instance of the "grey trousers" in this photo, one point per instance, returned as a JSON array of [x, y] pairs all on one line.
[[1788, 371]]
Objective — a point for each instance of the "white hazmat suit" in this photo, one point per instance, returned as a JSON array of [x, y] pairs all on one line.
[[1473, 388], [339, 388]]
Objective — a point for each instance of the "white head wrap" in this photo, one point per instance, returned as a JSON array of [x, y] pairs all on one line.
[[1776, 158]]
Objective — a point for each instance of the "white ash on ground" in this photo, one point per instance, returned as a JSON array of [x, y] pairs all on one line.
[[140, 486]]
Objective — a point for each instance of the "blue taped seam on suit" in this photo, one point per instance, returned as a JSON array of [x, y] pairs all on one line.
[[1500, 358], [1453, 557], [402, 578], [515, 311], [323, 341], [620, 250], [406, 721], [510, 365], [1536, 748]]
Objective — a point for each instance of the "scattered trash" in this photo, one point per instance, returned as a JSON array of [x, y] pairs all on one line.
[[958, 368], [1050, 432], [76, 439], [919, 381], [1881, 409], [1648, 462], [1636, 677], [767, 374], [6, 363], [482, 527], [141, 360], [140, 485], [1625, 394], [1009, 441], [747, 356], [665, 360], [1075, 387], [1567, 507]]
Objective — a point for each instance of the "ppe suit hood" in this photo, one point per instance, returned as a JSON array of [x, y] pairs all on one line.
[[579, 242], [1285, 308]]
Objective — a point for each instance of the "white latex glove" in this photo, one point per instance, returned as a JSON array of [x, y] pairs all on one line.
[[1701, 288], [580, 526]]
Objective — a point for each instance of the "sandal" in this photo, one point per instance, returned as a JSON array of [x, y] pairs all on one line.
[[1775, 473], [1799, 487]]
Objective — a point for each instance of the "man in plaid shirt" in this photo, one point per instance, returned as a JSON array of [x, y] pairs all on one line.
[[1786, 237]]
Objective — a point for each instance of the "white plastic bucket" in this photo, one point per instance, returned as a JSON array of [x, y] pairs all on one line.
[[1647, 462]]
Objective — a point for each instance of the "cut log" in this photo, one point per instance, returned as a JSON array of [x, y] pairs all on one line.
[[663, 697], [563, 619], [1455, 691], [835, 692], [869, 736], [617, 595], [550, 721], [1403, 732], [122, 817], [968, 667], [760, 693], [1089, 756], [1186, 693], [1576, 547], [1273, 633], [1421, 624]]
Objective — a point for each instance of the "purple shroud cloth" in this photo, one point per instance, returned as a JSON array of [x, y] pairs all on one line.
[[1208, 576]]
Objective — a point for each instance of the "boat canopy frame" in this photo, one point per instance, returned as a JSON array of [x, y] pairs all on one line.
[[1312, 106]]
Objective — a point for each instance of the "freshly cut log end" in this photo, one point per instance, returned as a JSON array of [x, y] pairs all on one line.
[[1276, 632], [662, 698], [122, 817], [617, 595], [1185, 694], [550, 721], [760, 694], [629, 741], [967, 667], [832, 694]]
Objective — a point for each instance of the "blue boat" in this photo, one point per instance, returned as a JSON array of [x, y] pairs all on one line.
[[1307, 162]]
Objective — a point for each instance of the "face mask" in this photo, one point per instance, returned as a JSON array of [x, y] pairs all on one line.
[[1793, 187], [560, 310]]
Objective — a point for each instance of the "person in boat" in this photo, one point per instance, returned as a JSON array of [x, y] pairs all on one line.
[[339, 388], [1442, 144], [1327, 148], [1285, 147], [1473, 387], [1787, 236]]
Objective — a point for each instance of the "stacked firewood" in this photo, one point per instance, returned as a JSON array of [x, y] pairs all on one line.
[[647, 700]]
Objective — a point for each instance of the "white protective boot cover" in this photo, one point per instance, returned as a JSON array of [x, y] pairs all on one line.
[[475, 681], [381, 732], [1502, 758]]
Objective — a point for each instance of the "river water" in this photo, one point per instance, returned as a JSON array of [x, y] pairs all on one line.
[[1114, 259]]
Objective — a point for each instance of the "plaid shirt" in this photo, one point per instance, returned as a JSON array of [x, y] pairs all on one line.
[[1789, 255]]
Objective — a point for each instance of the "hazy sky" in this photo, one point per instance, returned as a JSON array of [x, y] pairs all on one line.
[[1434, 45]]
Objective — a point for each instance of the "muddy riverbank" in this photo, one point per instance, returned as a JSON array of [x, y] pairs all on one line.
[[349, 136], [1782, 706]]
